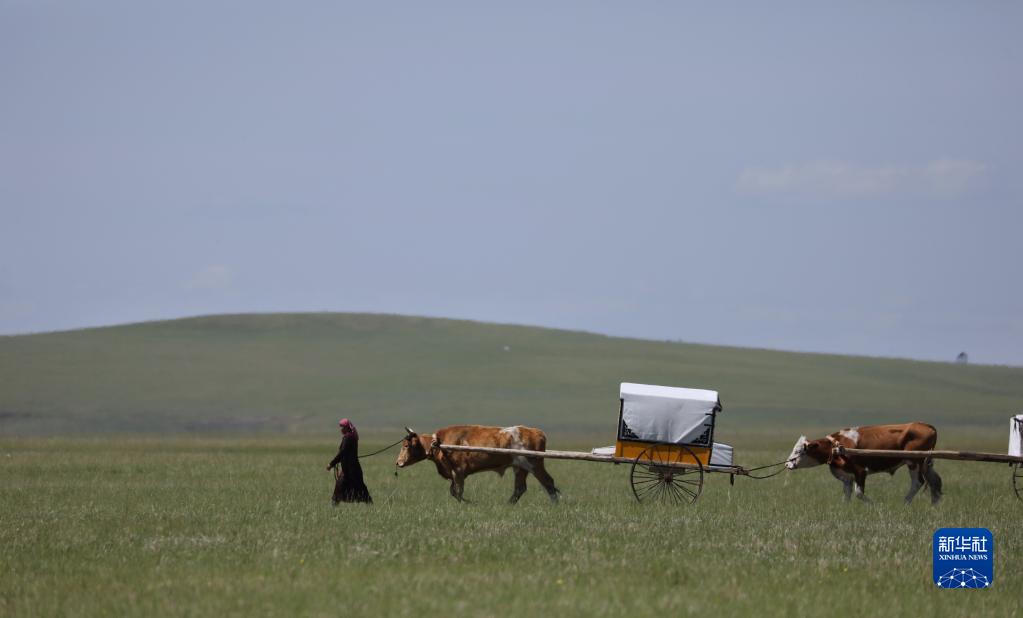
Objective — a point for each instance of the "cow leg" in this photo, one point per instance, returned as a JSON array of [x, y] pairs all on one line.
[[916, 480], [860, 484], [460, 480], [847, 481], [520, 485], [540, 472], [933, 481], [458, 487]]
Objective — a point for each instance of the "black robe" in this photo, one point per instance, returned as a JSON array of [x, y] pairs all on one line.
[[349, 486]]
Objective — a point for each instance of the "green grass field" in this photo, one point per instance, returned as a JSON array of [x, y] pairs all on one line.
[[243, 526], [176, 468]]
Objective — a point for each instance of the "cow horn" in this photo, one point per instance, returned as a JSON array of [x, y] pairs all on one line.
[[409, 431]]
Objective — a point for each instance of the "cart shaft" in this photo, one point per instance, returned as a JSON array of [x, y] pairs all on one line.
[[955, 455], [574, 455]]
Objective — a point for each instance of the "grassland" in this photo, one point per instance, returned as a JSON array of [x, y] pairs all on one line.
[[242, 526], [176, 468]]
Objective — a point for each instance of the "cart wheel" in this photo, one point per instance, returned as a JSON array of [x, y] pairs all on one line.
[[654, 479], [1017, 480]]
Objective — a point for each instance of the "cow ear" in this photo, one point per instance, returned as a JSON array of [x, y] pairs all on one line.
[[810, 446]]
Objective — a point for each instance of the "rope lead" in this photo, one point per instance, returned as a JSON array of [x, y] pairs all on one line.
[[382, 450]]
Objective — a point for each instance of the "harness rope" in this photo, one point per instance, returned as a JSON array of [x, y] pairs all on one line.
[[383, 449], [773, 474], [767, 476]]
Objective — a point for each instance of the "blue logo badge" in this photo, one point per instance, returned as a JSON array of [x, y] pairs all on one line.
[[964, 558]]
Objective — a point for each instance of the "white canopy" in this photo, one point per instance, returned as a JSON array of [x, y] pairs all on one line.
[[668, 414], [1016, 435]]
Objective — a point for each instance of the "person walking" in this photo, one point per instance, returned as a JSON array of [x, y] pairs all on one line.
[[349, 486]]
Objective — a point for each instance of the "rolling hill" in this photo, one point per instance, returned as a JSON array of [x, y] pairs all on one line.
[[297, 373]]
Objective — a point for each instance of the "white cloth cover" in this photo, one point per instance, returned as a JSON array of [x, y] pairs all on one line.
[[668, 414], [1016, 435]]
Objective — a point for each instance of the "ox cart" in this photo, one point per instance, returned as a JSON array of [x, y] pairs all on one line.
[[665, 435]]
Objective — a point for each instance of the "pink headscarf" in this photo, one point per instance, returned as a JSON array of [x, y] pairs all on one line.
[[347, 427]]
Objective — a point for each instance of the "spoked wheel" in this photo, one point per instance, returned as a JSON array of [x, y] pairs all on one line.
[[1017, 480], [655, 478]]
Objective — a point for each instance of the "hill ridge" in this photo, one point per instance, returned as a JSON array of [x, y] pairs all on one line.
[[294, 372], [299, 314]]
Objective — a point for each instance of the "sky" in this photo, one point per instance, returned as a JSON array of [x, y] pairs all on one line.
[[832, 177]]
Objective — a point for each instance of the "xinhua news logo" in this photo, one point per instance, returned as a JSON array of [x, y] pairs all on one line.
[[964, 558]]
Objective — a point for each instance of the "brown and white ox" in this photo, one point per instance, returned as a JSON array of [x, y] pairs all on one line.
[[852, 470], [456, 465]]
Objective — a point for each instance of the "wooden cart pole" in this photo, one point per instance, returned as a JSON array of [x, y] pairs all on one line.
[[553, 455], [954, 455]]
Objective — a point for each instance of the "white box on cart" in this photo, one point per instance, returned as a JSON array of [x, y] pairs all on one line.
[[1016, 435]]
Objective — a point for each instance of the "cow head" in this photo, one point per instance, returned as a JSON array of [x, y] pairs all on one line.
[[808, 453], [412, 449]]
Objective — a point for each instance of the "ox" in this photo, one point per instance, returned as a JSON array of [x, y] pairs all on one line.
[[853, 470], [456, 465]]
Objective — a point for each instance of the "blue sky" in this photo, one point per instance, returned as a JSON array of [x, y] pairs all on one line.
[[797, 176]]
